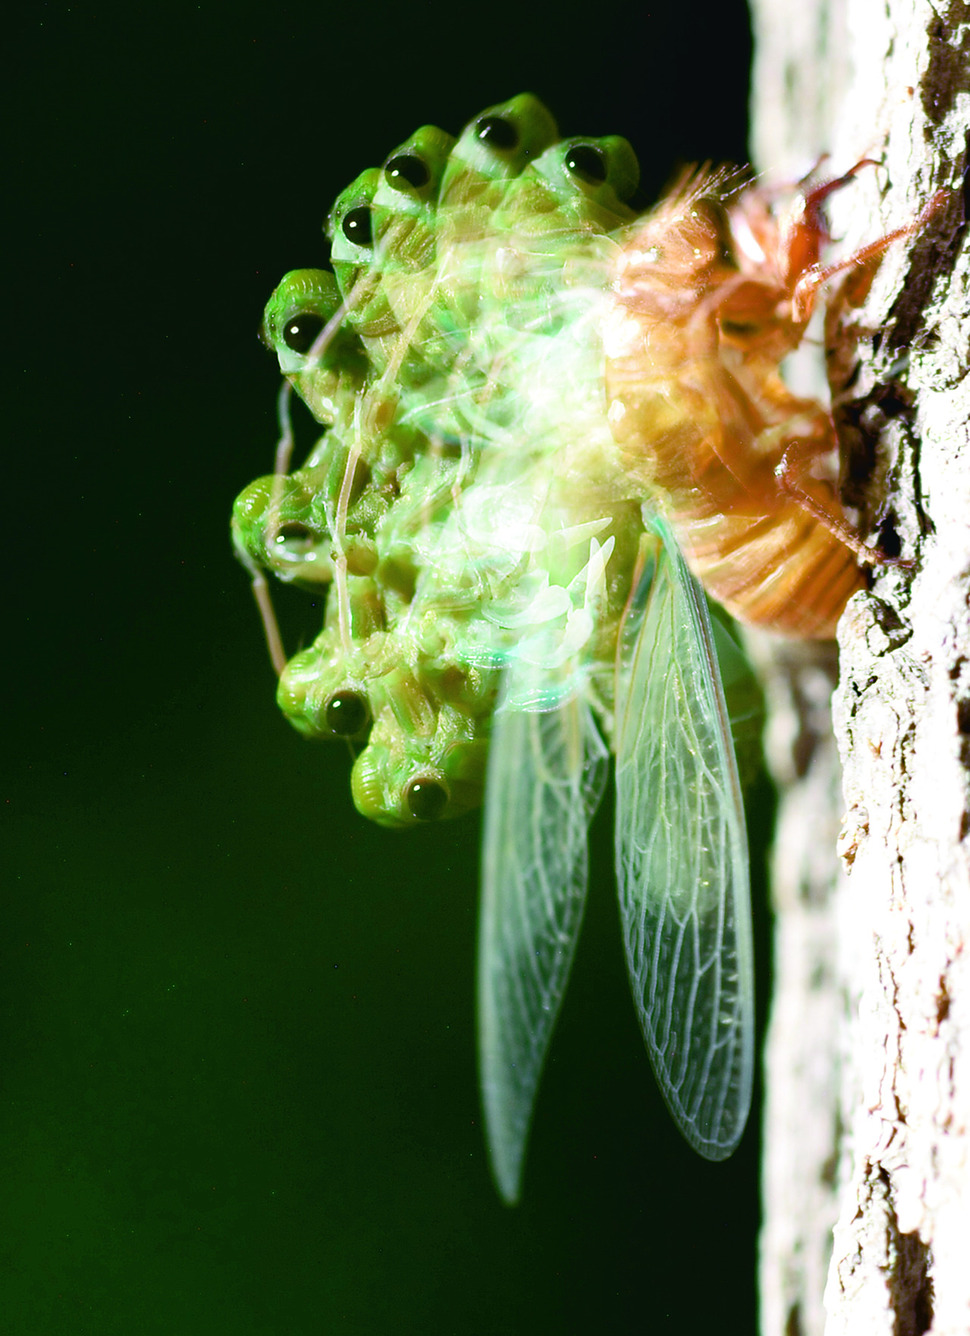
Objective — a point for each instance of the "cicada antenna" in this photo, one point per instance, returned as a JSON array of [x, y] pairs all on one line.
[[341, 588], [283, 457], [284, 444], [260, 588], [267, 615]]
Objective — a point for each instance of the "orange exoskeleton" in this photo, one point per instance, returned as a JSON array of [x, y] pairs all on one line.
[[712, 293]]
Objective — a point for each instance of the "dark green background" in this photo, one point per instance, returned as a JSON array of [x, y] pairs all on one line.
[[238, 1080]]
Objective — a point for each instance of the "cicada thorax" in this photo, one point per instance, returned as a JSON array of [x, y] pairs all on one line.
[[704, 422]]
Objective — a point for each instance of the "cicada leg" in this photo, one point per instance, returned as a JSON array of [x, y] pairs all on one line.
[[862, 260], [792, 473]]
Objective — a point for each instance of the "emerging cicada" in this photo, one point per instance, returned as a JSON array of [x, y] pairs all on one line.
[[531, 398]]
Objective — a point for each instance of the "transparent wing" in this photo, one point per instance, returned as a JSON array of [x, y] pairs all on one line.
[[546, 775], [682, 859]]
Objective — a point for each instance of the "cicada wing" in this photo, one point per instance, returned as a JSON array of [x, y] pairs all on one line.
[[546, 775], [682, 860]]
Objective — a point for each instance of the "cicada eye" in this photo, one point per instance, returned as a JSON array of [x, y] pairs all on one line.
[[407, 169], [295, 531], [426, 798], [346, 713], [712, 214], [497, 133], [294, 541], [587, 163], [356, 226], [711, 211], [300, 331]]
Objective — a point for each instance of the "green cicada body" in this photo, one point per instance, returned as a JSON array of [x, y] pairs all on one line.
[[503, 609]]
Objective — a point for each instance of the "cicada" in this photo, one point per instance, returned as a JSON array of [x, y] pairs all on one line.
[[531, 400]]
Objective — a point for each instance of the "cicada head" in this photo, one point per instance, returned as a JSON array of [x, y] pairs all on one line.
[[286, 522], [326, 691], [382, 237], [273, 528], [548, 237], [424, 760], [384, 231], [322, 359], [406, 250], [324, 699], [350, 227], [411, 180], [492, 149], [575, 185]]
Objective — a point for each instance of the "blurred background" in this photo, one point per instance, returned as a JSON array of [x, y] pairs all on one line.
[[237, 1038]]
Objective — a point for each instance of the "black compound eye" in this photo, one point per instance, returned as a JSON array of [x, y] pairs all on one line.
[[346, 713], [295, 531], [587, 163], [498, 133], [356, 226], [714, 215], [300, 331], [407, 169], [426, 799]]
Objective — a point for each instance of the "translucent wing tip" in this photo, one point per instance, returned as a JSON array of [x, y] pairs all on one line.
[[722, 1143], [506, 1154], [546, 775]]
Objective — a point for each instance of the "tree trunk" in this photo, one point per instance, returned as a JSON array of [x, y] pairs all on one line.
[[867, 1124]]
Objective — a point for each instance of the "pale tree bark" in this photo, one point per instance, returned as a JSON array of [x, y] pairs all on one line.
[[867, 1125]]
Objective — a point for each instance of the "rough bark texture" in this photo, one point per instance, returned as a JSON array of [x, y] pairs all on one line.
[[867, 1171]]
